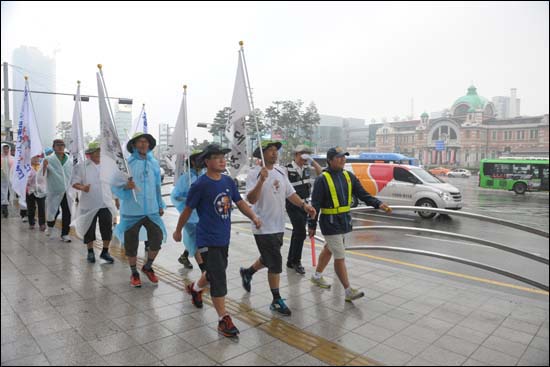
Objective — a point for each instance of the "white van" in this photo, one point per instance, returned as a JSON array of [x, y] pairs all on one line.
[[397, 184]]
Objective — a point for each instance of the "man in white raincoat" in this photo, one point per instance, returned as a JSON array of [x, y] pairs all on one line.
[[58, 168], [7, 165], [145, 209], [96, 202]]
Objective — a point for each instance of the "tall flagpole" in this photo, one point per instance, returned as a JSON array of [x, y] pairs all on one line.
[[100, 67], [80, 128], [251, 101], [187, 134]]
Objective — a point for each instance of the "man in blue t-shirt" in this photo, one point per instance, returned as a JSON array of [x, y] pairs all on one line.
[[212, 195]]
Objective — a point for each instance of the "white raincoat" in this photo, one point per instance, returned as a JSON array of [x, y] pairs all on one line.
[[99, 196], [7, 166], [58, 178]]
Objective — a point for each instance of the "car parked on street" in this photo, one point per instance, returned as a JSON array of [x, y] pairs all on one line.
[[459, 173], [439, 171]]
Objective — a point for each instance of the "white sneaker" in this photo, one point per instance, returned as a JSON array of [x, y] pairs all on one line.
[[48, 232], [65, 239], [25, 219]]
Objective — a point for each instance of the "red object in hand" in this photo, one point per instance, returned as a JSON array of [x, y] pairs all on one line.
[[313, 257]]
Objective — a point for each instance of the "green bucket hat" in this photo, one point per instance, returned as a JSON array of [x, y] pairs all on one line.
[[92, 147], [265, 145], [149, 137]]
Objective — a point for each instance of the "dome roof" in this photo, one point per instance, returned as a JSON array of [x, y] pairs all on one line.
[[472, 99], [424, 114]]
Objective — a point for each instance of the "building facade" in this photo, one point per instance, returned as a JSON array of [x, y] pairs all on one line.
[[507, 107], [41, 70], [470, 132], [123, 120]]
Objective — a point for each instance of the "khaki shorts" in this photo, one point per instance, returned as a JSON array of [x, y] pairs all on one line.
[[337, 243]]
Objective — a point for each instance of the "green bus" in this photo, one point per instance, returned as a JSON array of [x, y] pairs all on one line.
[[514, 174]]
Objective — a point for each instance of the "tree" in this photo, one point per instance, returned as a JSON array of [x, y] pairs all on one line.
[[217, 129], [63, 129], [295, 125], [88, 138], [195, 145]]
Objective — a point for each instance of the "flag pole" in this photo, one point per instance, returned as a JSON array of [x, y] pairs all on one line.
[[187, 134], [251, 101], [80, 128], [100, 67]]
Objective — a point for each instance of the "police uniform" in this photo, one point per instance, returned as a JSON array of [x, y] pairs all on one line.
[[301, 180]]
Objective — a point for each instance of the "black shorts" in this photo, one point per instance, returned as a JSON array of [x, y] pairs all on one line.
[[131, 237], [105, 226], [270, 251], [215, 261]]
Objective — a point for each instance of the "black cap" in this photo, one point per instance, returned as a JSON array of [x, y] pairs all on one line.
[[266, 144], [213, 149], [336, 152]]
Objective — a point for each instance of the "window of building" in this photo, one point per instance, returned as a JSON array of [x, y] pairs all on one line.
[[494, 135], [477, 134], [468, 134], [518, 135]]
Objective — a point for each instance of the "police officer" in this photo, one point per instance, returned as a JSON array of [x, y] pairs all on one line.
[[299, 175]]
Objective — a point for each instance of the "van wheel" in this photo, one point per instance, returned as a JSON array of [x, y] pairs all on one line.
[[354, 202], [520, 188], [429, 204]]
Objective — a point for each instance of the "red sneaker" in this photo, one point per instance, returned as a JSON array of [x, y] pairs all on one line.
[[150, 274], [227, 328], [135, 281], [196, 296]]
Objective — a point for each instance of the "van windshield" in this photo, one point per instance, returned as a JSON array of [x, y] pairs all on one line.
[[425, 176]]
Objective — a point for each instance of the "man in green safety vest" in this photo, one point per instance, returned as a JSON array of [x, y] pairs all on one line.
[[332, 195]]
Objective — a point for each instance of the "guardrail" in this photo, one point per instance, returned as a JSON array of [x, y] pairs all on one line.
[[504, 222]]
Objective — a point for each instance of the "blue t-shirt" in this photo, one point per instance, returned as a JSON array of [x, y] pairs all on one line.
[[213, 200]]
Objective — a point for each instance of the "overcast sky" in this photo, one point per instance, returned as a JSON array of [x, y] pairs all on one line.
[[363, 60]]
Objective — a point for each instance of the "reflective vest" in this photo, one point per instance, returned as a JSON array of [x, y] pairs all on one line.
[[337, 209], [302, 184]]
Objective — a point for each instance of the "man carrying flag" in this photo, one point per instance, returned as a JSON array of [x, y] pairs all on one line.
[[58, 169], [28, 145], [96, 202], [144, 209]]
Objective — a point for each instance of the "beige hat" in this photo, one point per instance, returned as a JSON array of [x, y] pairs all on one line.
[[302, 149]]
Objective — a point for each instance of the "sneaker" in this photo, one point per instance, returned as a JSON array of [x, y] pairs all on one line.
[[150, 274], [299, 268], [246, 279], [184, 260], [135, 281], [227, 328], [48, 231], [25, 219], [354, 294], [320, 282], [91, 257], [66, 238], [42, 228], [107, 257], [196, 296], [280, 306]]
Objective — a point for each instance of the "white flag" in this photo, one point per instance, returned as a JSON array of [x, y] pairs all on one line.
[[27, 146], [76, 146], [113, 167], [235, 129], [179, 139]]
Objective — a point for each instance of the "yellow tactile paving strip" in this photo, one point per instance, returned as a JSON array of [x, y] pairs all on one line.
[[320, 348]]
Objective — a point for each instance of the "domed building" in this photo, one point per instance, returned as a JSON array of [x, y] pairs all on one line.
[[468, 133]]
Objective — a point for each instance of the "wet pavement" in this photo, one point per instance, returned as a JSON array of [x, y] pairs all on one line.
[[59, 310]]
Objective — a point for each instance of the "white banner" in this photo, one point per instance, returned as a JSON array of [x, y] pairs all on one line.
[[27, 146], [76, 145], [113, 168], [235, 128], [179, 137]]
